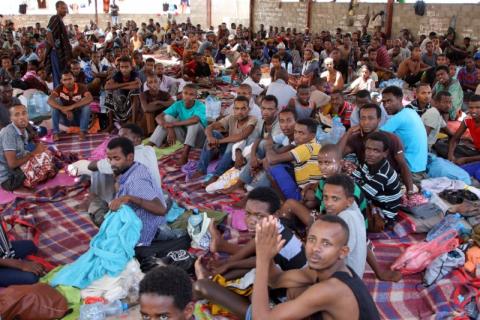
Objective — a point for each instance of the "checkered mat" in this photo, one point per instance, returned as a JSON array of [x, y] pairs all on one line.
[[65, 234]]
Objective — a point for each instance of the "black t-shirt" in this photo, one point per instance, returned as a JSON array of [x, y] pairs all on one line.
[[119, 78], [342, 66]]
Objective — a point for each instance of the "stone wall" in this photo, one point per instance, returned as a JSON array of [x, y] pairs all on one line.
[[229, 11], [328, 16]]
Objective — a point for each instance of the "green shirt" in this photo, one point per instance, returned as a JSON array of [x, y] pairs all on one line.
[[360, 198], [456, 91], [181, 112]]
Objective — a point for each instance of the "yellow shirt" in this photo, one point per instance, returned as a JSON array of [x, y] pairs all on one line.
[[306, 163]]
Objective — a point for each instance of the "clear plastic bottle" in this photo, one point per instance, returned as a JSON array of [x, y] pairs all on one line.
[[449, 222], [337, 130], [99, 311]]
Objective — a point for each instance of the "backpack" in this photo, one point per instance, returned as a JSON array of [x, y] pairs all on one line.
[[37, 301], [420, 8]]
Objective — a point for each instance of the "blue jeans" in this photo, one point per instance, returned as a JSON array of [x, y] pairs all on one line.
[[225, 162], [261, 180], [56, 70], [81, 117], [473, 169], [284, 176], [11, 276]]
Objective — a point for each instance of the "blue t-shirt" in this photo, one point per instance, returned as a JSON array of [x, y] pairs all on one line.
[[182, 113], [408, 126]]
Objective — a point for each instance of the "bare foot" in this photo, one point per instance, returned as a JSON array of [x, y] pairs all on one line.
[[55, 137], [200, 271], [215, 237], [81, 136], [389, 275]]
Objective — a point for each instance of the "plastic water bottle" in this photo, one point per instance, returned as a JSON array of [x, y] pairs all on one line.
[[99, 311], [449, 222], [321, 136], [289, 68], [337, 130], [87, 69]]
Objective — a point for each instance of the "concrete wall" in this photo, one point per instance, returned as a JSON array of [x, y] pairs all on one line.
[[222, 11], [328, 16]]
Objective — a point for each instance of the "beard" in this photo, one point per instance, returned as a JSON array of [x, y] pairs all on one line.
[[117, 171]]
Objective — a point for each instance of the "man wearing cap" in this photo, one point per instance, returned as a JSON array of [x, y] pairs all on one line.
[[210, 42]]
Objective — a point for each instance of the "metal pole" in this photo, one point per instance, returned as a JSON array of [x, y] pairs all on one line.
[[388, 30], [96, 12]]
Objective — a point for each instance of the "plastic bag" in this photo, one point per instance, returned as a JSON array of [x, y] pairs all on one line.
[[443, 265], [418, 256], [213, 108]]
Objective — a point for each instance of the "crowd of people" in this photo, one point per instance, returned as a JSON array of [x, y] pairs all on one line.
[[309, 201]]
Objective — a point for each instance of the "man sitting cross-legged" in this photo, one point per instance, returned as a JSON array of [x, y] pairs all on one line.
[[184, 120], [331, 287], [292, 170], [239, 126], [261, 204]]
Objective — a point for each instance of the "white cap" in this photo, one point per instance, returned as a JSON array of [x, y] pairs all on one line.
[[281, 45], [231, 37]]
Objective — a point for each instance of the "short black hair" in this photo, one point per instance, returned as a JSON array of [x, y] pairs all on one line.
[[303, 86], [289, 110], [125, 59], [242, 99], [59, 3], [343, 181], [120, 142], [475, 98], [136, 130], [271, 98], [379, 136], [333, 219], [150, 60], [330, 148], [440, 68], [394, 90], [190, 86], [168, 281], [67, 71], [363, 94], [439, 95], [310, 123], [267, 195], [422, 84], [372, 106]]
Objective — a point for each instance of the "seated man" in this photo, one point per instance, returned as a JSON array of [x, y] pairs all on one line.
[[423, 94], [70, 103], [243, 67], [446, 83], [148, 68], [184, 121], [434, 117], [281, 89], [197, 69], [136, 187], [124, 83], [14, 268], [261, 203], [408, 126], [364, 82], [252, 173], [246, 91], [354, 142], [466, 156], [102, 188], [32, 79], [341, 108], [254, 81], [377, 178], [239, 126], [328, 277], [468, 75], [166, 292], [301, 103], [7, 100], [16, 149], [318, 98], [362, 98], [411, 69], [153, 101], [302, 160]]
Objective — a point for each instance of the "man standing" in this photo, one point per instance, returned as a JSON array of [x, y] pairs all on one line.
[[114, 13], [59, 50]]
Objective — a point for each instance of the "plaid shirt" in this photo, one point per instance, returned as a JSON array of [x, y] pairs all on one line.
[[138, 182], [6, 251]]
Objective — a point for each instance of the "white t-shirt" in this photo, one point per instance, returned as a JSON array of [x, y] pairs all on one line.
[[144, 155], [357, 240], [256, 88], [282, 91], [433, 119]]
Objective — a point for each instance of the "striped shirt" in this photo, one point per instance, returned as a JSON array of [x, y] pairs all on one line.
[[382, 187], [305, 163], [292, 254], [138, 182], [6, 251]]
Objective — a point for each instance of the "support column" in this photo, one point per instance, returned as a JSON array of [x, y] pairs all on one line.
[[96, 12], [388, 29], [209, 14], [309, 13], [252, 17]]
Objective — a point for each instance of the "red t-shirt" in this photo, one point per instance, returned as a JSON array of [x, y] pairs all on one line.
[[474, 132]]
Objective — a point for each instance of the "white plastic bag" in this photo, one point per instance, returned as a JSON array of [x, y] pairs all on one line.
[[213, 108]]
